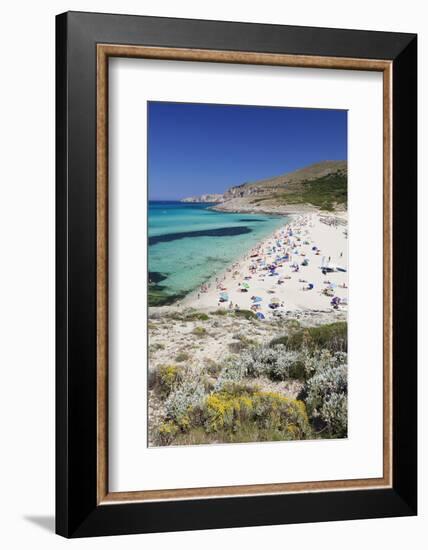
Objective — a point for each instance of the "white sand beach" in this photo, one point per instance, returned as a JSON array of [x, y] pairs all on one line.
[[285, 272]]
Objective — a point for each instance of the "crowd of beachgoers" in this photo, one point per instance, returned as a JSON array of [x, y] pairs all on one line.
[[303, 265]]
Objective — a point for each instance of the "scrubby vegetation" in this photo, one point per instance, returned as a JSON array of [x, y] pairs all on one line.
[[333, 337], [244, 397], [220, 312], [199, 331], [231, 415], [182, 356], [277, 363], [212, 368], [166, 378], [240, 343], [325, 395], [181, 403], [156, 347], [188, 315], [326, 192], [246, 313]]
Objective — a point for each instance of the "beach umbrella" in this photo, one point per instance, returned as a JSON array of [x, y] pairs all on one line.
[[245, 285], [274, 300], [224, 296], [257, 299], [260, 316]]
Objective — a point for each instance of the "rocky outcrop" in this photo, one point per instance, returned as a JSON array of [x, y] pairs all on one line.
[[320, 185], [211, 197], [286, 181]]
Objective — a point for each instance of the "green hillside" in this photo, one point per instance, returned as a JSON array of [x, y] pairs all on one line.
[[326, 192]]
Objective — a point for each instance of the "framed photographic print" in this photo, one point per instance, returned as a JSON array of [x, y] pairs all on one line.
[[236, 274]]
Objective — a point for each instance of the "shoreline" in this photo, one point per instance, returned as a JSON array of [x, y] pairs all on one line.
[[192, 295], [309, 229], [237, 207], [249, 284], [174, 300]]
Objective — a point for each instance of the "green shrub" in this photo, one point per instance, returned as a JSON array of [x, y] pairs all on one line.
[[221, 312], [241, 342], [321, 360], [271, 413], [183, 400], [234, 371], [196, 316], [236, 347], [212, 368], [199, 331], [246, 313], [275, 412], [225, 412], [332, 336], [167, 432], [277, 363], [156, 347], [238, 413], [236, 389], [167, 377], [174, 316], [292, 325], [326, 396], [187, 315], [182, 356]]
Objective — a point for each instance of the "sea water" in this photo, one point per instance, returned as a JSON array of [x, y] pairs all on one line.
[[189, 243]]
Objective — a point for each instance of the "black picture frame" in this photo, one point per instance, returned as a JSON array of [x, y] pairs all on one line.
[[77, 511]]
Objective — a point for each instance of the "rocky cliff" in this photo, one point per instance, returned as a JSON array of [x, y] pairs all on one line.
[[213, 197], [319, 186]]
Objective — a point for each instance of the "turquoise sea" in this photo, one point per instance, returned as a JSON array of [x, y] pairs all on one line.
[[188, 243]]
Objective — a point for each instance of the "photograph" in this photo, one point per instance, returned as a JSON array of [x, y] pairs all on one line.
[[212, 275], [247, 256]]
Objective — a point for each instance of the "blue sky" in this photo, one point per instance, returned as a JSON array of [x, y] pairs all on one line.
[[204, 148]]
